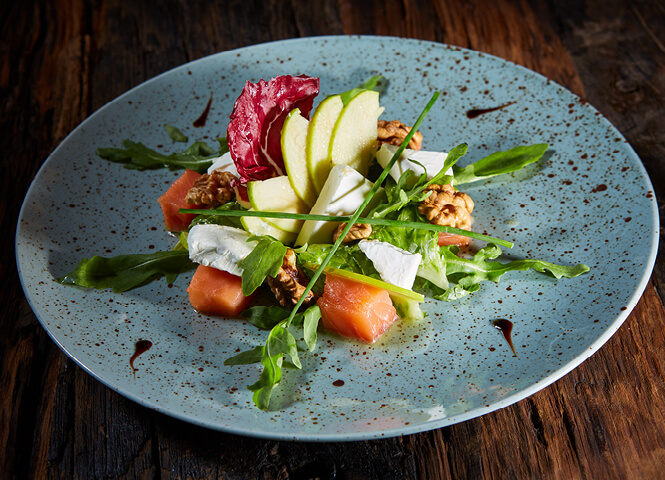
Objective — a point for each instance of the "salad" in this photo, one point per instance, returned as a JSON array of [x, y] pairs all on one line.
[[340, 220]]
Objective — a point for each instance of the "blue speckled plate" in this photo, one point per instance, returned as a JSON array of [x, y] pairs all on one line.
[[588, 201]]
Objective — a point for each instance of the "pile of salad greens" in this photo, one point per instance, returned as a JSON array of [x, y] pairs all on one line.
[[394, 217]]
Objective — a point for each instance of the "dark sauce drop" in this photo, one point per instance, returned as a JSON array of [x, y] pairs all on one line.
[[338, 383], [142, 346], [477, 112], [201, 121], [506, 327]]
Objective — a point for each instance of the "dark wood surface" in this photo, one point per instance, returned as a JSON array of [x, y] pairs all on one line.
[[62, 60]]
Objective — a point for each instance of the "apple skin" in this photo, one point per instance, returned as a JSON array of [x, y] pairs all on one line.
[[294, 145], [319, 134]]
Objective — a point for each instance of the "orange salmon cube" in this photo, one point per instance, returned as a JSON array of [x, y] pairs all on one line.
[[355, 310], [174, 199], [217, 292]]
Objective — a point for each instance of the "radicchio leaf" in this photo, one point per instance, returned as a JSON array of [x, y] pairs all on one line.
[[254, 132]]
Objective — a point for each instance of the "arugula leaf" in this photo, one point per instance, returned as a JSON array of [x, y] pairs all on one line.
[[125, 272], [468, 273], [137, 156], [499, 163], [377, 83], [310, 322], [214, 215], [266, 259], [175, 134], [247, 357], [223, 145], [264, 317], [280, 346]]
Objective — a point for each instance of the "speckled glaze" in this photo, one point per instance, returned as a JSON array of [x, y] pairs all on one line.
[[589, 200]]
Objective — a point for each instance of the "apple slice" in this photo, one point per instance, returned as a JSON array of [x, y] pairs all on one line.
[[276, 195], [318, 139], [354, 137], [294, 142], [258, 226]]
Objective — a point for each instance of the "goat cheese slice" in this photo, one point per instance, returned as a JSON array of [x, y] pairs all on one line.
[[432, 161], [225, 162], [343, 192], [395, 265], [219, 246]]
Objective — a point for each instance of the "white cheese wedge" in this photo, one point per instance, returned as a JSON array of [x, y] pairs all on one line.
[[432, 161], [219, 246], [225, 162], [395, 265], [344, 191]]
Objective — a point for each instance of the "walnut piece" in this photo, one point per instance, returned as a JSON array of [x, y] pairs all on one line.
[[212, 189], [445, 206], [290, 282], [394, 132], [357, 232]]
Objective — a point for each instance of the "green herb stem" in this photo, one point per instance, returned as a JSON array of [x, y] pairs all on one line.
[[343, 218]]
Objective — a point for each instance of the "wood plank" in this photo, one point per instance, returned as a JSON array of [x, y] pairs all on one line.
[[62, 61]]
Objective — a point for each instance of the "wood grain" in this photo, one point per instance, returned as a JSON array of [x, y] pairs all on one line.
[[62, 60]]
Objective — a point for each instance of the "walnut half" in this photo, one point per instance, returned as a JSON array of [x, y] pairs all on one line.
[[445, 206], [290, 282], [394, 132], [357, 232], [212, 189]]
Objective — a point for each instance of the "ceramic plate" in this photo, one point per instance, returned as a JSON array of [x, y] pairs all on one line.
[[588, 201]]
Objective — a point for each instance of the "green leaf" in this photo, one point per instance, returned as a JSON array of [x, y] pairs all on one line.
[[309, 320], [378, 83], [265, 317], [265, 260], [468, 273], [125, 272], [175, 134], [499, 163], [280, 343], [215, 216], [223, 145], [137, 156], [247, 357]]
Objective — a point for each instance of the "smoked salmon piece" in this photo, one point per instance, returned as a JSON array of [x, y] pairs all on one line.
[[453, 239], [355, 309], [174, 199], [217, 292]]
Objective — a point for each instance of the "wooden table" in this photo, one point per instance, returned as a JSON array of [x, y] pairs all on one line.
[[62, 60]]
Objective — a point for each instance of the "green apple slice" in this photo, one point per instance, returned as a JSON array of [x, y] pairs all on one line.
[[353, 139], [318, 139], [294, 142], [258, 226], [392, 289], [277, 195]]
